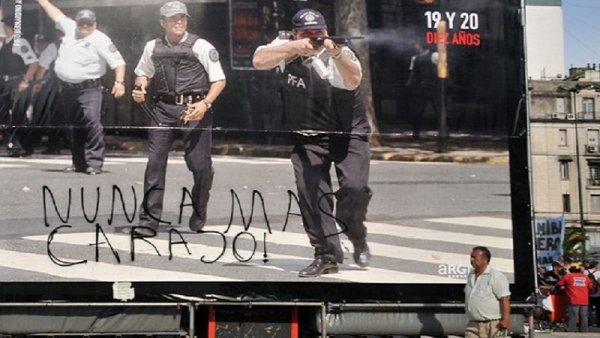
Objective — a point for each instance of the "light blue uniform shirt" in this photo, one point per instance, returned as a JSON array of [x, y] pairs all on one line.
[[84, 59]]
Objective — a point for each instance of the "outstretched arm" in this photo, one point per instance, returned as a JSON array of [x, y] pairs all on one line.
[[53, 12], [267, 57]]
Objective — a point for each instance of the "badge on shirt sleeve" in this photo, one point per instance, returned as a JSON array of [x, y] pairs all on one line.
[[112, 48], [24, 49], [213, 55]]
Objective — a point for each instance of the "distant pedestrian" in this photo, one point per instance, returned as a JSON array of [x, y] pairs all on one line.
[[82, 59], [487, 297]]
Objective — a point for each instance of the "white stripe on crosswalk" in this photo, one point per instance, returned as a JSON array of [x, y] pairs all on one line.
[[96, 270], [122, 242], [480, 222], [9, 166], [438, 235]]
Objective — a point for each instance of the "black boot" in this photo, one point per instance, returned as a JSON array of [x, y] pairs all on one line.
[[320, 266], [362, 254]]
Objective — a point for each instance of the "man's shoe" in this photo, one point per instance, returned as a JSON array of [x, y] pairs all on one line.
[[146, 230], [72, 169], [93, 171], [362, 255], [19, 152], [196, 222], [318, 267]]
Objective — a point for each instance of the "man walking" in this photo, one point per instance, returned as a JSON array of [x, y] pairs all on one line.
[[323, 106], [188, 78], [82, 58], [487, 302]]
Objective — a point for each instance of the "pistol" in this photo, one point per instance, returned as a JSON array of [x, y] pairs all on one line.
[[183, 115], [317, 41]]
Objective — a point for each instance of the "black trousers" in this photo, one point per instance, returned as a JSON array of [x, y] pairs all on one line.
[[312, 159], [197, 136], [13, 107], [83, 115], [47, 113]]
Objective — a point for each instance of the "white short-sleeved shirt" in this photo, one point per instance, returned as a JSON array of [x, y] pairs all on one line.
[[22, 48], [84, 59], [48, 55], [335, 80], [202, 49], [482, 295]]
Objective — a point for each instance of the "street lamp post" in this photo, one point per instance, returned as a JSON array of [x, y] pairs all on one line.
[[578, 164], [573, 90]]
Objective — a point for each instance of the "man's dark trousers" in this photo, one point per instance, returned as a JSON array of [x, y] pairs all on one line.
[[312, 159]]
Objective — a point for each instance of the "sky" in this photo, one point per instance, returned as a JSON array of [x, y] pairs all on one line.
[[581, 22]]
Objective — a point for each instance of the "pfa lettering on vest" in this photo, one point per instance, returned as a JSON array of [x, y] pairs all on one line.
[[296, 81]]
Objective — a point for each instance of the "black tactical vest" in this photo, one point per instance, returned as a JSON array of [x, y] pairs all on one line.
[[178, 71], [11, 64], [311, 103]]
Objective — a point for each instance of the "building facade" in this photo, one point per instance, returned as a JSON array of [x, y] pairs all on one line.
[[545, 39], [565, 153]]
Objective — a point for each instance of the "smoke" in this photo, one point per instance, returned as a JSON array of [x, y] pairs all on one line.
[[398, 41]]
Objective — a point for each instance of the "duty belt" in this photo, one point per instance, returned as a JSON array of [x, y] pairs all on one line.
[[95, 83], [181, 99]]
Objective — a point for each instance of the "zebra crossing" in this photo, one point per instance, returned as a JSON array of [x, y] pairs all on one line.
[[276, 256], [405, 250]]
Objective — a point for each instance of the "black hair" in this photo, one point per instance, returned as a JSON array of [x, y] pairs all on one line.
[[485, 251]]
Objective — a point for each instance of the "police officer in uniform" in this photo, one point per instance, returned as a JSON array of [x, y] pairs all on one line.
[[46, 88], [188, 78], [81, 62], [18, 64], [323, 106], [423, 85]]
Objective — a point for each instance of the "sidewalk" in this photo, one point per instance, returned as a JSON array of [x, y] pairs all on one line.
[[459, 149]]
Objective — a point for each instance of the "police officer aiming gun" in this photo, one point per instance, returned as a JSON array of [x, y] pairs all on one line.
[[323, 106], [188, 79]]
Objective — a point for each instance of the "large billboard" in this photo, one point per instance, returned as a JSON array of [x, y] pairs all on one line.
[[296, 195]]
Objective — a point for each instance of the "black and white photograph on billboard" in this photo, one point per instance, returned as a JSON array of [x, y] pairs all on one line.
[[368, 142]]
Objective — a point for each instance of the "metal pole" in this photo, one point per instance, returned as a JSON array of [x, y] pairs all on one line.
[[442, 135], [579, 178], [192, 310]]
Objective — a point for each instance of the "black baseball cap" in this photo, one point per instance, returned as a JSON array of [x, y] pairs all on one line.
[[85, 15], [9, 20], [309, 19]]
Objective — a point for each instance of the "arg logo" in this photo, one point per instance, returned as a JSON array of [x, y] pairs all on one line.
[[454, 271]]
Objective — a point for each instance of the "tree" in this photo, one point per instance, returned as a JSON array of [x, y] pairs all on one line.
[[351, 20], [573, 244]]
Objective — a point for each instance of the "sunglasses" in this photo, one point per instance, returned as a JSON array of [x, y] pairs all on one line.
[[85, 23]]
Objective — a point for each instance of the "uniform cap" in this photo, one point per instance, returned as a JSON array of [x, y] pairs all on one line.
[[9, 20], [309, 19], [85, 15], [173, 8]]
